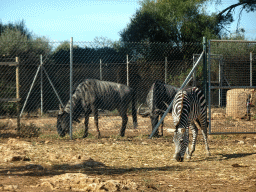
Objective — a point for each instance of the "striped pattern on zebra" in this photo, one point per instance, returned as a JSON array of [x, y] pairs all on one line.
[[189, 111]]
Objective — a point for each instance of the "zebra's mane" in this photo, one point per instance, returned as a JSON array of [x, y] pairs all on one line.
[[179, 115]]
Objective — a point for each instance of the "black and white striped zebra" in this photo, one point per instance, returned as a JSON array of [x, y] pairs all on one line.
[[189, 112]]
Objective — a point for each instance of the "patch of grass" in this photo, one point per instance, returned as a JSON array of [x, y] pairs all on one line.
[[116, 137], [47, 136], [222, 137], [142, 136], [28, 131], [49, 127]]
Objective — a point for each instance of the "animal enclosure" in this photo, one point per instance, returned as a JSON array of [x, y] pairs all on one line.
[[232, 70], [45, 78], [37, 159]]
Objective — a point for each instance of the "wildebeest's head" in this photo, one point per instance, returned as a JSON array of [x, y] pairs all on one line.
[[63, 120], [181, 140]]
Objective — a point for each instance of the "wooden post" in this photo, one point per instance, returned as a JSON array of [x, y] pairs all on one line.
[[18, 93]]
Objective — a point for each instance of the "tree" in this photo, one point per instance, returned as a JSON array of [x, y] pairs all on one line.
[[246, 5], [17, 41], [18, 26], [172, 21]]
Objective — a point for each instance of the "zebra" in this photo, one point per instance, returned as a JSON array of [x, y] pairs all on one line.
[[189, 112]]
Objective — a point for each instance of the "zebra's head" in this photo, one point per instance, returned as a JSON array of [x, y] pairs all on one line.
[[63, 120], [181, 140]]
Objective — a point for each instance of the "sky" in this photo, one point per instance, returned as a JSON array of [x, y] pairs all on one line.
[[84, 20]]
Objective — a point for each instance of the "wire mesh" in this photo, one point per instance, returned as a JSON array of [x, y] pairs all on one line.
[[232, 71], [45, 83]]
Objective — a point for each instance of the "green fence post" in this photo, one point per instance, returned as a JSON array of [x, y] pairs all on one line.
[[205, 67]]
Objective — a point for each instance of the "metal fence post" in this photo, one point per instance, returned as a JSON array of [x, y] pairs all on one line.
[[194, 74], [205, 66], [250, 68], [209, 85], [127, 70], [71, 82], [41, 86]]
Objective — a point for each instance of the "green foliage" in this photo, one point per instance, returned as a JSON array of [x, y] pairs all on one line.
[[171, 21], [16, 40], [8, 109], [233, 48], [18, 26]]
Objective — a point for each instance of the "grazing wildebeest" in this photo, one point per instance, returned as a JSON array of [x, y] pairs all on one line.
[[158, 99], [92, 95]]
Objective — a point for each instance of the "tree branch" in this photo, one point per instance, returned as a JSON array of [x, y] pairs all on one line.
[[231, 7]]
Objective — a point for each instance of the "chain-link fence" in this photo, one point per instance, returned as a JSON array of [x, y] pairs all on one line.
[[232, 70], [44, 71]]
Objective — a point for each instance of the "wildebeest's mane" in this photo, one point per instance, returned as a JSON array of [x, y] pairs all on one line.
[[78, 109]]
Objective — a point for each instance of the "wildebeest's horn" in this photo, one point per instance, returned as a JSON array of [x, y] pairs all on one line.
[[166, 104], [138, 111], [61, 109], [145, 114]]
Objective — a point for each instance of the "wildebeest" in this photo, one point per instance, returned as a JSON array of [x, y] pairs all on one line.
[[92, 95], [158, 99]]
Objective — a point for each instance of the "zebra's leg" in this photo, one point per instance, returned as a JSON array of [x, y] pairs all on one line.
[[204, 132], [194, 130], [86, 122]]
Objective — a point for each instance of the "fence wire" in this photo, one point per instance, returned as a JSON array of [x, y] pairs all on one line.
[[232, 79], [44, 71]]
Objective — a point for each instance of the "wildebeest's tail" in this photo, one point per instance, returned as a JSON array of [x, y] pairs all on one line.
[[134, 111]]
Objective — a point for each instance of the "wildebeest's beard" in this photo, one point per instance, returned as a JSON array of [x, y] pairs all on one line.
[[63, 123]]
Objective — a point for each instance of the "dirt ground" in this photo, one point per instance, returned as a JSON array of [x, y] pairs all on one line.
[[112, 163]]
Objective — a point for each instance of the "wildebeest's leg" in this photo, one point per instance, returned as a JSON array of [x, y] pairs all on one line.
[[123, 114], [96, 119], [162, 127], [154, 121], [86, 122], [194, 131]]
